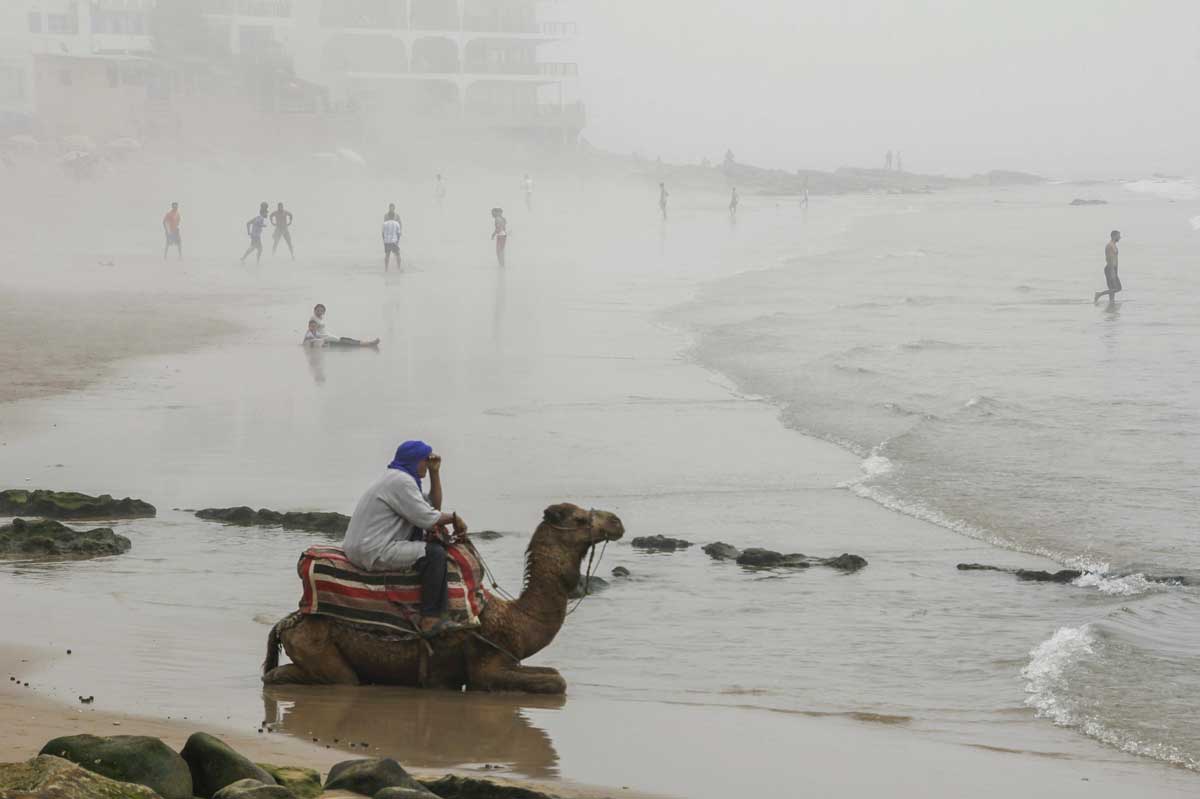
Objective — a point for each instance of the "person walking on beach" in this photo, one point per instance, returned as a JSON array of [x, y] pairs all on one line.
[[733, 203], [887, 161], [662, 199], [254, 229], [391, 238], [500, 233], [439, 190], [1110, 269], [397, 526], [527, 187], [281, 219], [170, 223]]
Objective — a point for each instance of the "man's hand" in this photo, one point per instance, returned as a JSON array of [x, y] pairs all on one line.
[[460, 527], [435, 463]]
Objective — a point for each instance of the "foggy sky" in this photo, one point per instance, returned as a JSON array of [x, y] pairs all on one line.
[[1067, 88]]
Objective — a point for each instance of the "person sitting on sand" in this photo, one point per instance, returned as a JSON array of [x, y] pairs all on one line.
[[397, 526], [316, 325]]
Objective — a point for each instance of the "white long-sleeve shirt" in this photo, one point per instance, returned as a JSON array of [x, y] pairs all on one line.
[[377, 538]]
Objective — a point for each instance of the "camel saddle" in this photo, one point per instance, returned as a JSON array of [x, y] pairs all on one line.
[[335, 587]]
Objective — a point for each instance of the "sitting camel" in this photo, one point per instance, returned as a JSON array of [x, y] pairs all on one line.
[[325, 650]]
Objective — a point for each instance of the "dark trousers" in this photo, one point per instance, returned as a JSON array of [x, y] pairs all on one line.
[[435, 585]]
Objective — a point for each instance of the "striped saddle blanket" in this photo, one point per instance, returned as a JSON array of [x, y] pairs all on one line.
[[333, 586]]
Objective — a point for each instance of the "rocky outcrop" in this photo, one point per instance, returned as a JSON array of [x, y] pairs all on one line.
[[253, 789], [55, 778], [719, 550], [214, 765], [370, 776], [659, 543], [46, 538], [452, 787], [487, 535], [620, 571], [588, 585], [304, 783], [769, 559], [71, 505], [310, 521], [1032, 575], [128, 758], [1081, 201]]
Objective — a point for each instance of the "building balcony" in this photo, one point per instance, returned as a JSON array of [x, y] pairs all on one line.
[[274, 9]]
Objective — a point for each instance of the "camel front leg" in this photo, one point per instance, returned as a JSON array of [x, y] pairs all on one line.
[[495, 674]]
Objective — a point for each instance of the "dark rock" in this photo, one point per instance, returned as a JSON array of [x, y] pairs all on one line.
[[487, 535], [310, 521], [846, 562], [768, 559], [370, 776], [659, 543], [304, 783], [49, 777], [1080, 201], [620, 571], [719, 550], [594, 585], [1039, 576], [214, 764], [452, 787], [71, 505], [979, 567], [253, 789], [402, 793], [128, 758], [46, 538]]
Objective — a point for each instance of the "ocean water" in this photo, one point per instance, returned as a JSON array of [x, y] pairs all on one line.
[[950, 342]]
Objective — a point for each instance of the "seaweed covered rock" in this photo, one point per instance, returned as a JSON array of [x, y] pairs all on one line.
[[49, 776], [1061, 576], [769, 559], [719, 550], [845, 562], [659, 543], [621, 571], [371, 775], [310, 521], [128, 758], [71, 505], [588, 585], [46, 538], [304, 783], [214, 764], [452, 787], [253, 789]]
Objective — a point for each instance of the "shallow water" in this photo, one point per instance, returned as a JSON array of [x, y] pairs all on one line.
[[557, 380]]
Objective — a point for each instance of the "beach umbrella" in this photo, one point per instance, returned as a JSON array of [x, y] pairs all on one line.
[[79, 142]]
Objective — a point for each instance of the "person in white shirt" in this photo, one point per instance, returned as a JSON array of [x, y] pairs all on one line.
[[391, 238], [396, 526], [527, 186], [318, 337]]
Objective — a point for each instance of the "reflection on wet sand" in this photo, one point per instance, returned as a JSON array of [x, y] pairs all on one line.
[[423, 729]]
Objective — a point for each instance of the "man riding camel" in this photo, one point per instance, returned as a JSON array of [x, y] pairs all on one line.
[[396, 526]]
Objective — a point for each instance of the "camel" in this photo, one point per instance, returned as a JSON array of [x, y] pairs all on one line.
[[328, 651]]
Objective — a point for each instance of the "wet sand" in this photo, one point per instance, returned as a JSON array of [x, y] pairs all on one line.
[[551, 381]]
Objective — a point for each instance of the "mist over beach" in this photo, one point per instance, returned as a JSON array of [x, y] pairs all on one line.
[[804, 398]]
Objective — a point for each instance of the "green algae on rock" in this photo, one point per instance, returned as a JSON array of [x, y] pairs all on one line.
[[304, 783], [46, 775], [128, 758], [46, 538], [215, 764], [71, 505]]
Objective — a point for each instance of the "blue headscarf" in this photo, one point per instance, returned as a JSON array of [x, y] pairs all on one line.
[[408, 455]]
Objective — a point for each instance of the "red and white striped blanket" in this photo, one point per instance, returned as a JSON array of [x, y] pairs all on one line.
[[333, 586]]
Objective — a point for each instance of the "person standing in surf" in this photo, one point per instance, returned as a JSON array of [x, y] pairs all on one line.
[[254, 229], [281, 219], [1110, 269], [663, 194], [170, 225], [391, 238], [500, 233], [733, 203]]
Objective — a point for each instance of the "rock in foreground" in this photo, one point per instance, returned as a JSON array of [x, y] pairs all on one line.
[[214, 765], [304, 783], [311, 521], [54, 778], [128, 758], [370, 776], [452, 787], [46, 538], [71, 505], [253, 789], [659, 543]]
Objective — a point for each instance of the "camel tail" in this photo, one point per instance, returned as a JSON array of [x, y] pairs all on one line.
[[273, 646]]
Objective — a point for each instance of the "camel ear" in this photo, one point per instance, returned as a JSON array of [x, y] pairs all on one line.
[[555, 514]]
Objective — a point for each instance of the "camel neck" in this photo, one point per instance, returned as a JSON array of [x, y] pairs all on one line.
[[543, 604]]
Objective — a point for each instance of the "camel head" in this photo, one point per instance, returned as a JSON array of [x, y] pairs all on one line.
[[564, 537]]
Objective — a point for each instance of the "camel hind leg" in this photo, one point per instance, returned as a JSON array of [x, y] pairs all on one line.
[[315, 657], [499, 674]]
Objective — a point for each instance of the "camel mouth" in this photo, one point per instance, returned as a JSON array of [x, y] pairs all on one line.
[[612, 528]]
